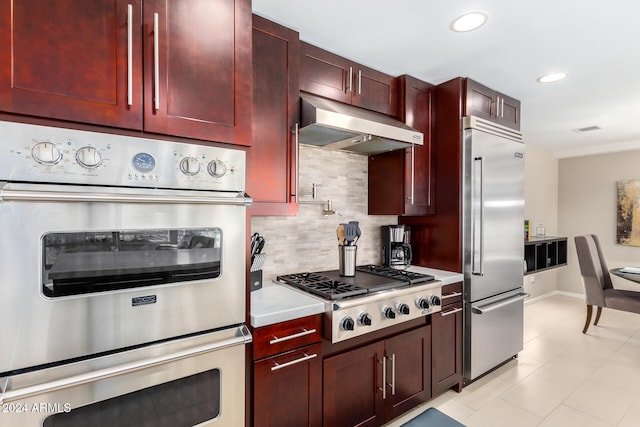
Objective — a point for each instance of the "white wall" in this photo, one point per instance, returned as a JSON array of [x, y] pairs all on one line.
[[587, 205], [541, 204]]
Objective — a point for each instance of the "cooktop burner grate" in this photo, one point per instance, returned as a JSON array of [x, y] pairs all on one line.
[[322, 286], [394, 273]]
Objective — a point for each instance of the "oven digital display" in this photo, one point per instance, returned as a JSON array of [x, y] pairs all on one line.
[[144, 162]]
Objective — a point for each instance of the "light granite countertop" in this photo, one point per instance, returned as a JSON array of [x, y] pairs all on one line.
[[275, 303]]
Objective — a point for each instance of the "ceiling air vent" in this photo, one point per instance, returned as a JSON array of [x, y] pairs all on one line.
[[587, 129]]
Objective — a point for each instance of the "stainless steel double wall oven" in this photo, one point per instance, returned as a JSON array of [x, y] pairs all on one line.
[[122, 280]]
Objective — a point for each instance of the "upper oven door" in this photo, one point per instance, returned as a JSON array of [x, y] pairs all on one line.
[[90, 269]]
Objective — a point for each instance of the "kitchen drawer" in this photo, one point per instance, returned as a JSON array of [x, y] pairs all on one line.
[[451, 294], [285, 336]]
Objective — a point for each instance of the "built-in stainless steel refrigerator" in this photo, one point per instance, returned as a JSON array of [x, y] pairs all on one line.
[[493, 246]]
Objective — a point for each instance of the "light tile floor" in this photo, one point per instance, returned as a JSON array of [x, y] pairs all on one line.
[[562, 378]]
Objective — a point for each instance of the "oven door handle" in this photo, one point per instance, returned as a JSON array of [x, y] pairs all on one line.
[[35, 195], [243, 337]]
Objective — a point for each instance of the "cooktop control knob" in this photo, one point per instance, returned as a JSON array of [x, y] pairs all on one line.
[[46, 153], [189, 166], [403, 308], [388, 313], [422, 303], [347, 324], [434, 300], [217, 168], [88, 157], [365, 319]]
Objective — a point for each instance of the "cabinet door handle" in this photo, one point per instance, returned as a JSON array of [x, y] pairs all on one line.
[[156, 62], [304, 332], [393, 374], [129, 54], [413, 171], [359, 82], [293, 362], [450, 312], [502, 107], [384, 377], [350, 81], [296, 131], [451, 295]]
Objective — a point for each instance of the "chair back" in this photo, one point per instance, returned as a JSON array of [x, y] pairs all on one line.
[[593, 268]]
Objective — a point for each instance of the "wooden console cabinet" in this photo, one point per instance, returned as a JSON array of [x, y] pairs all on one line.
[[544, 253]]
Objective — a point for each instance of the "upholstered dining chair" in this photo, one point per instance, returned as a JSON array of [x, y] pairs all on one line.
[[599, 290]]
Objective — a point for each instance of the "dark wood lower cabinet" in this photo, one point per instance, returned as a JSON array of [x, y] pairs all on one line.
[[370, 385], [446, 341], [287, 389]]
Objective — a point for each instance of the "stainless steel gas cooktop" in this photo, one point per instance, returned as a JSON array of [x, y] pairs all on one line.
[[375, 298]]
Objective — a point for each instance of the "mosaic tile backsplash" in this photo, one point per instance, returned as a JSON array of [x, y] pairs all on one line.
[[308, 241]]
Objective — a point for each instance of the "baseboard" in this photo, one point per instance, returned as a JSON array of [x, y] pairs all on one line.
[[553, 293]]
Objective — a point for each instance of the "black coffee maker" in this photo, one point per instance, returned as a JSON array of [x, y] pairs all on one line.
[[396, 250]]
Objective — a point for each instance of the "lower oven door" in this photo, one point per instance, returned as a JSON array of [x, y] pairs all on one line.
[[198, 380]]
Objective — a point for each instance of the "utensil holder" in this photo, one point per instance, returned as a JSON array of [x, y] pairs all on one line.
[[347, 260]]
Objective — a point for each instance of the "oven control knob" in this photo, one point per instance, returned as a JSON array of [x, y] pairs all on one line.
[[189, 166], [217, 168], [347, 324], [46, 153], [422, 303], [434, 300], [88, 157], [365, 319], [388, 313], [403, 308]]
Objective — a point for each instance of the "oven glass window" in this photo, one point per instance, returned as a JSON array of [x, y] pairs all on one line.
[[181, 403], [85, 262]]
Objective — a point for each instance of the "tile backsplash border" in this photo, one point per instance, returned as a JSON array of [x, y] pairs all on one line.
[[308, 241]]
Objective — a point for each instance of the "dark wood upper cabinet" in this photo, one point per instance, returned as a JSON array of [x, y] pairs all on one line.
[[489, 104], [71, 60], [272, 175], [68, 59], [329, 75], [402, 182], [202, 70]]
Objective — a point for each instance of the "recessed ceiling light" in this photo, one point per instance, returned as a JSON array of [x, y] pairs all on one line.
[[587, 129], [553, 77], [469, 21]]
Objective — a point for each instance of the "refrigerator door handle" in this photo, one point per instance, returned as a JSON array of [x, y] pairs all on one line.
[[494, 306], [477, 224]]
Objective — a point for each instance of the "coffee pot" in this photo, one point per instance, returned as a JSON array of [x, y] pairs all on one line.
[[396, 249]]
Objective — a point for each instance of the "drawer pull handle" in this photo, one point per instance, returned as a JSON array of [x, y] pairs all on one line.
[[304, 332], [293, 362], [447, 313], [451, 295]]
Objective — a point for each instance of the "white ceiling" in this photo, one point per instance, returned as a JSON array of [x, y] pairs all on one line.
[[596, 41]]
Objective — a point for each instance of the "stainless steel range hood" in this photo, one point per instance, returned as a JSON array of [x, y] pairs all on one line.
[[333, 125]]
